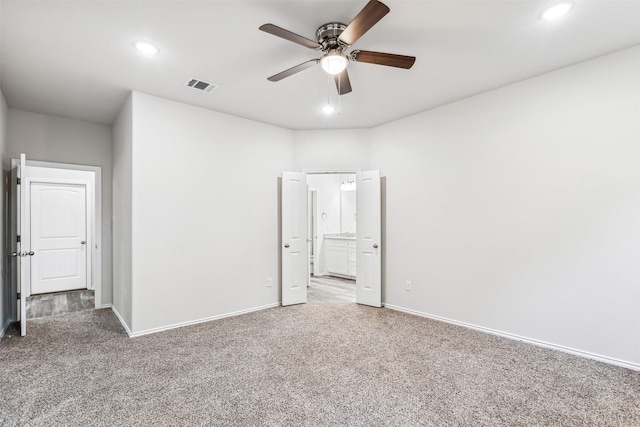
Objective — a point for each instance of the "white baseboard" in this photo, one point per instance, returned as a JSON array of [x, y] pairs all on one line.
[[121, 319], [588, 355], [194, 322]]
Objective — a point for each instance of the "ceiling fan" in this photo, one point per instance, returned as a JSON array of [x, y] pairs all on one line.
[[334, 39]]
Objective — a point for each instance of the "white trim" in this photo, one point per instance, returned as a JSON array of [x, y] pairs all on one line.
[[575, 352], [121, 319], [195, 322]]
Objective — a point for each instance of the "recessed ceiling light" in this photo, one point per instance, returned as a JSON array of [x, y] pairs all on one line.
[[328, 109], [146, 48], [557, 10]]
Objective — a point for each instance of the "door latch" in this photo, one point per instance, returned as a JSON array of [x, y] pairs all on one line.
[[23, 254]]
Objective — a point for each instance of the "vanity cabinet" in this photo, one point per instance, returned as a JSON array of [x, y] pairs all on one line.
[[340, 256], [351, 256]]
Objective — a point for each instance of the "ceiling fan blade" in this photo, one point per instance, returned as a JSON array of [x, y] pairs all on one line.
[[293, 70], [343, 84], [288, 35], [367, 18], [388, 59]]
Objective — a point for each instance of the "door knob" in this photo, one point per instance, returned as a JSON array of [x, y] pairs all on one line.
[[83, 242], [286, 245], [14, 254], [31, 253], [375, 246]]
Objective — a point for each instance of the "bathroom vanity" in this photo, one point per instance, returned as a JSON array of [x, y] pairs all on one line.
[[340, 254]]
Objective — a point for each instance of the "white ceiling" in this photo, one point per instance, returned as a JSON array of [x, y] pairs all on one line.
[[75, 58]]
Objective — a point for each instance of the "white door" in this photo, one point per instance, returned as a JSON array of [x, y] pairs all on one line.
[[295, 256], [58, 237], [368, 239], [22, 263]]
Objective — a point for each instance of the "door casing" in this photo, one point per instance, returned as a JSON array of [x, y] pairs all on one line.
[[92, 175]]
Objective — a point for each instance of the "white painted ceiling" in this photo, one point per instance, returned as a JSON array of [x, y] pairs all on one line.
[[75, 58]]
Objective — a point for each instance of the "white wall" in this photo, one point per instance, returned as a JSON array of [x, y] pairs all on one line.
[[518, 210], [5, 284], [56, 139], [332, 150], [205, 212], [122, 209]]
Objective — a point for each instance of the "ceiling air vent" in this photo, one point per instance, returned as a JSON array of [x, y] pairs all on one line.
[[200, 85]]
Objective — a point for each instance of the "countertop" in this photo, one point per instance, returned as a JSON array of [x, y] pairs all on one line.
[[340, 236]]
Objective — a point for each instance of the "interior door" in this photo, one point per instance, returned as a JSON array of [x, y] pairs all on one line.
[[21, 254], [295, 252], [58, 216], [368, 239]]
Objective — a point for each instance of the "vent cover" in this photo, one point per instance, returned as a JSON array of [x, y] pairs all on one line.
[[200, 85]]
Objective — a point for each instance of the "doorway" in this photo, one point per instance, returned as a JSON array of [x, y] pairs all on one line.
[[329, 240], [332, 222], [55, 238]]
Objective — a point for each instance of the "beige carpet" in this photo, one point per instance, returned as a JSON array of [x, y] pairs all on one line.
[[309, 365]]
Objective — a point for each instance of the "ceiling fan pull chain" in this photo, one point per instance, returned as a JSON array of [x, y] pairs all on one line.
[[339, 97]]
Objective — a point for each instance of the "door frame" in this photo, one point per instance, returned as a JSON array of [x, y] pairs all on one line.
[[311, 223], [94, 199]]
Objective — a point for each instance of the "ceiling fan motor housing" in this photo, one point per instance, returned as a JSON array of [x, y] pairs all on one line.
[[328, 34]]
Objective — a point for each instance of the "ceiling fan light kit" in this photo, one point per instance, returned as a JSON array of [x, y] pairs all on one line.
[[334, 39], [334, 62]]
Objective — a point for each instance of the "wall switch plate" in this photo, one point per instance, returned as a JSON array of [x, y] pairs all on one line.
[[269, 282], [407, 285]]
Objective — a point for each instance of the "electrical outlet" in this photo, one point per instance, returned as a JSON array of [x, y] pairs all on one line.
[[269, 282], [407, 285]]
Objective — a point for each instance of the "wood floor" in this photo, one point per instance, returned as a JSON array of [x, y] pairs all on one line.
[[321, 289], [331, 289], [59, 303]]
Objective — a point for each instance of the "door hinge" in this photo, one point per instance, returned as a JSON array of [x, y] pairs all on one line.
[[18, 238], [19, 295], [19, 181]]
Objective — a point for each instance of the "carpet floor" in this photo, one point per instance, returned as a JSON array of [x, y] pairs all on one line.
[[307, 365]]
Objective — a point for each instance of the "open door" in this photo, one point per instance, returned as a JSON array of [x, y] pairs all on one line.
[[368, 239], [20, 253], [295, 252]]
